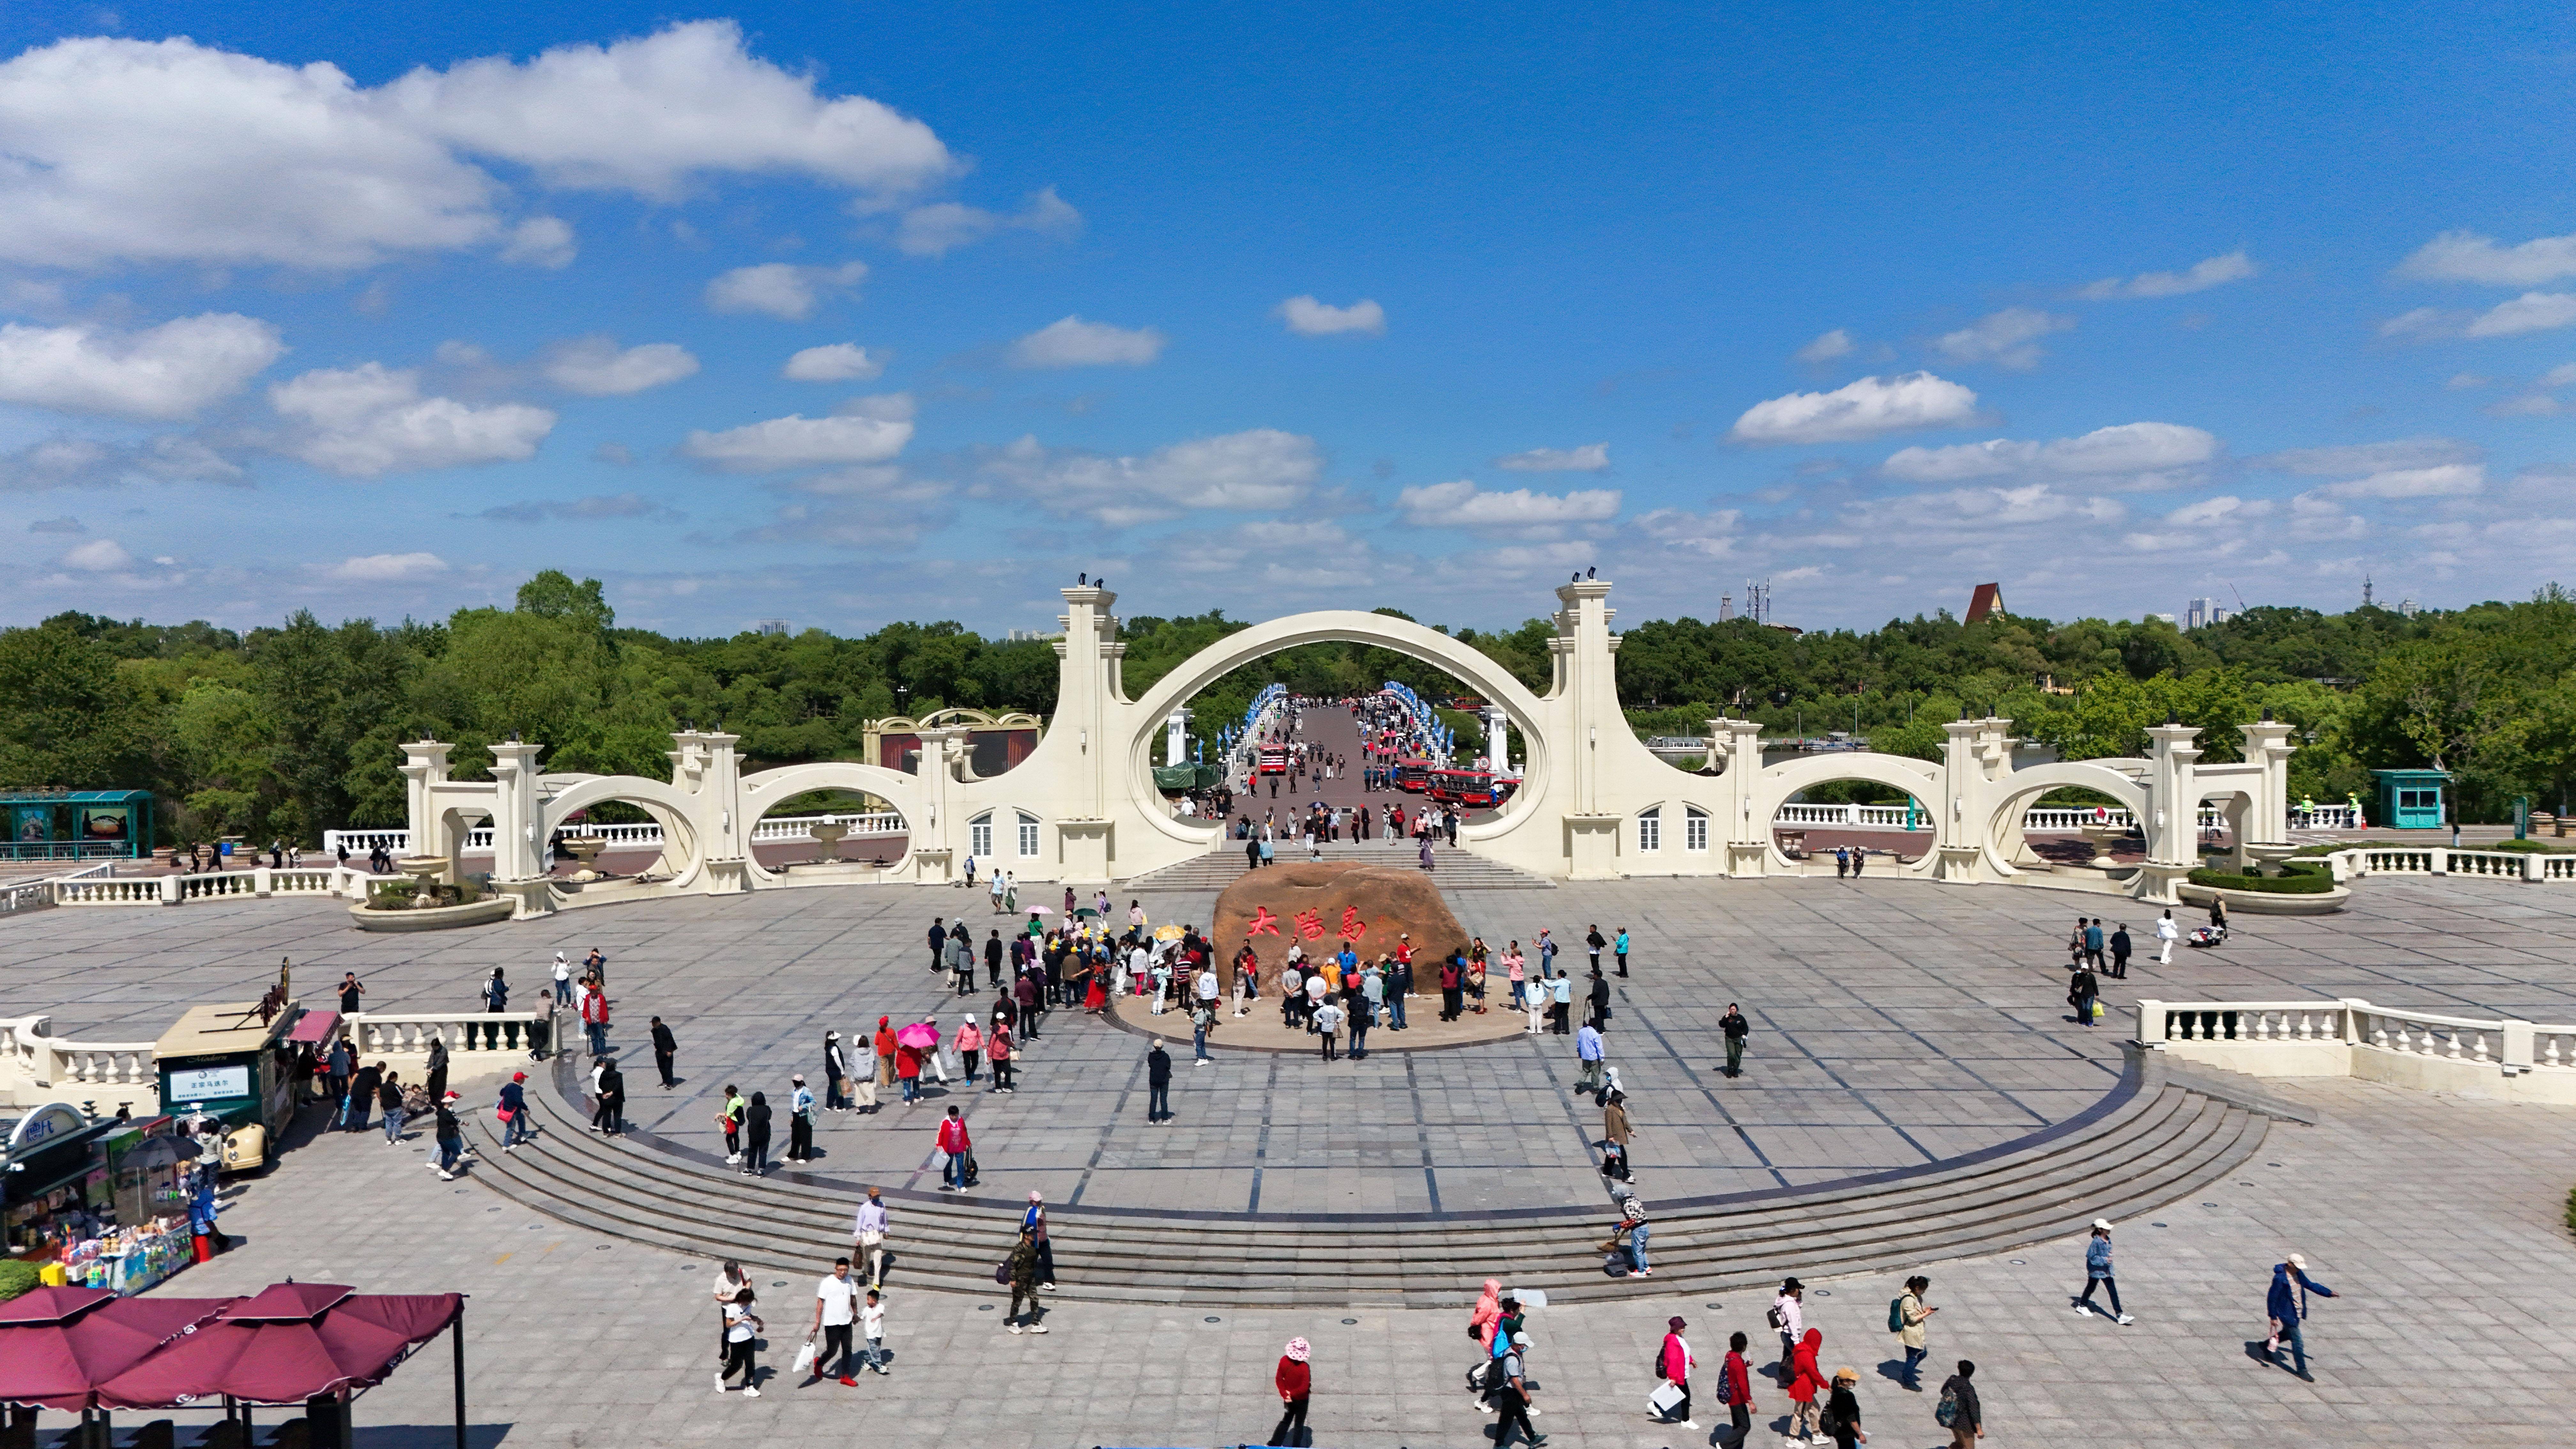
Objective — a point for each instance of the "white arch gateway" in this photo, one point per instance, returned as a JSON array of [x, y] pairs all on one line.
[[1082, 808]]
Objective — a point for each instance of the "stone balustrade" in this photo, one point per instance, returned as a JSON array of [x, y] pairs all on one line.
[[2429, 1051], [38, 1067], [374, 1033], [777, 828], [2369, 860]]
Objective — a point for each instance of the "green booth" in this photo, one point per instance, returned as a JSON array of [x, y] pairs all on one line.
[[2412, 799], [59, 824]]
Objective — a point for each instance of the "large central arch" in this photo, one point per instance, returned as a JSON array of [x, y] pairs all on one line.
[[1343, 626]]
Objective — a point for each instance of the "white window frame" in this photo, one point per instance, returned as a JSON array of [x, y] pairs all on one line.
[[979, 836], [1694, 828], [1028, 836], [1650, 830]]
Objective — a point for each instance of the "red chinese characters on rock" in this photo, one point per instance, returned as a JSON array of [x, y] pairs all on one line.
[[1310, 924], [1352, 926], [1263, 923]]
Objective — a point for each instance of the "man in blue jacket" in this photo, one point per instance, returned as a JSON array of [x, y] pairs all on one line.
[[2286, 1308]]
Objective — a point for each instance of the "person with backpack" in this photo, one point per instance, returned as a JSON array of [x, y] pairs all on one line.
[[1958, 1410], [513, 1109], [1735, 1390], [1905, 1318], [2097, 1274], [1841, 1421], [1514, 1395], [1673, 1363], [1021, 1272], [742, 1331], [1805, 1382], [1788, 1315], [736, 1110]]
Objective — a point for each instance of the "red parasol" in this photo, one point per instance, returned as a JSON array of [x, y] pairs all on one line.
[[920, 1034], [58, 1344], [289, 1343]]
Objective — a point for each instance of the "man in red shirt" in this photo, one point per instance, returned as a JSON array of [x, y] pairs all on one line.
[[954, 1142]]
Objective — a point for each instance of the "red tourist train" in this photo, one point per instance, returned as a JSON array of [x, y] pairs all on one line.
[[1475, 789]]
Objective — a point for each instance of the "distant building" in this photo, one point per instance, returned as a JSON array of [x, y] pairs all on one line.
[[2168, 618], [1986, 602], [2203, 612], [770, 626], [2409, 608], [1016, 636]]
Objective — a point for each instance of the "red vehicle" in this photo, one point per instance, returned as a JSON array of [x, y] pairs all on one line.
[[1274, 759], [1412, 776], [1475, 789]]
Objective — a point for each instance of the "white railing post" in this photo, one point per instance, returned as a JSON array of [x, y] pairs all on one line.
[[2151, 1023], [170, 890], [2517, 1054], [2440, 858]]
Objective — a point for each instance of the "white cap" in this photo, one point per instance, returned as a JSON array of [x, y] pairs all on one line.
[[2101, 1225], [2298, 1262]]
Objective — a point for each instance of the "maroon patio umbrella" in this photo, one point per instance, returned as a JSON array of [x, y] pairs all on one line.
[[58, 1344], [289, 1343]]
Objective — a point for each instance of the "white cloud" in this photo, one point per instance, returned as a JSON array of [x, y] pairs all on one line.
[[1521, 512], [1590, 458], [2235, 266], [2448, 480], [780, 289], [72, 462], [2464, 256], [2315, 520], [942, 227], [2462, 381], [1309, 318], [365, 421], [64, 524], [169, 371], [2212, 510], [160, 151], [1709, 535], [838, 362], [2422, 452], [1259, 469], [2530, 312], [1864, 409], [596, 367], [2009, 338], [866, 430], [98, 556], [2144, 450], [1986, 508], [597, 505], [1826, 347], [1072, 342], [541, 241], [384, 568]]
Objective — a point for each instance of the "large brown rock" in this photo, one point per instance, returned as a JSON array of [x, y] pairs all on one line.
[[1321, 904]]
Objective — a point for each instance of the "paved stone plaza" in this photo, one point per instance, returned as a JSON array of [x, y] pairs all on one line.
[[1895, 1023]]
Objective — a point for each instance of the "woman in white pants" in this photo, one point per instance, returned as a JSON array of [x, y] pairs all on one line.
[[2166, 930]]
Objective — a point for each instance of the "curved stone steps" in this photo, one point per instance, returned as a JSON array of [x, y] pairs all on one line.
[[2150, 1145]]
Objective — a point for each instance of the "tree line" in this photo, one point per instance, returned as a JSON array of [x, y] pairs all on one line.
[[287, 731]]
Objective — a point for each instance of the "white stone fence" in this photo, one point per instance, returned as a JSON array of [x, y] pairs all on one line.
[[407, 1033], [775, 829], [2369, 860], [2429, 1051], [37, 1067], [1897, 817]]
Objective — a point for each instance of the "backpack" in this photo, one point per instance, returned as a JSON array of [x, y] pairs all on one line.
[[1771, 1315], [1946, 1413], [1726, 1388], [1896, 1314]]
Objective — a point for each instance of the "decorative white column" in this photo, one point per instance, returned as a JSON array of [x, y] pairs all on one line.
[[1498, 739], [2268, 744], [2173, 810], [519, 855], [424, 767], [1176, 737]]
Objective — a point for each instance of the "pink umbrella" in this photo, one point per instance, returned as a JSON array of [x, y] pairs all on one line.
[[920, 1034], [1041, 910]]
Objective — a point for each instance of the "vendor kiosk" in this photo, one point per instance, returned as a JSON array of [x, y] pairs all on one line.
[[53, 1177], [228, 1063]]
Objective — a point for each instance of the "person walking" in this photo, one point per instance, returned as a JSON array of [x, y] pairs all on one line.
[[2121, 946], [1561, 1013], [2093, 942], [2097, 1274], [389, 1096], [666, 1047], [1673, 1365], [1487, 1312], [836, 1310], [872, 1329], [1619, 948], [1024, 1284], [1599, 999], [1615, 1134], [1958, 1411], [610, 1119], [594, 1017], [742, 1332], [869, 1236], [450, 1137], [907, 1070], [1806, 1383], [836, 1073], [1363, 1015], [736, 1111], [1593, 942], [997, 1050], [800, 1123], [2081, 991], [1788, 1315], [1735, 1390], [1632, 1222], [1327, 1019], [882, 1045], [755, 1155], [1841, 1421], [2166, 931], [495, 992], [993, 946], [1034, 1219], [514, 1113], [939, 935], [1453, 989], [970, 1046], [1295, 1380], [563, 979], [2287, 1304], [954, 1141], [1158, 1082], [1514, 1396], [437, 1068], [1907, 1316], [1587, 1056], [1735, 1029]]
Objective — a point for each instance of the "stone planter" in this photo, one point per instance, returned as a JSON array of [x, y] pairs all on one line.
[[2266, 903], [433, 918]]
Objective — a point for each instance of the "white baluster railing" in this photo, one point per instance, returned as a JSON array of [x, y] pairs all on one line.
[[374, 1033], [106, 892], [629, 836]]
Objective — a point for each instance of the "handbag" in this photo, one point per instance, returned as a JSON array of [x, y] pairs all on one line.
[[1666, 1398], [1002, 1274], [805, 1357]]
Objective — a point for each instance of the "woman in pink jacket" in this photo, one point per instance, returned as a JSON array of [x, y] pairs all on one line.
[[1674, 1367], [970, 1044]]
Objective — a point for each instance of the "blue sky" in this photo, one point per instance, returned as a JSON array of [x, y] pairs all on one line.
[[850, 314]]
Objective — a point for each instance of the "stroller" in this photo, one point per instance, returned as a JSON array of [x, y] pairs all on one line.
[[2204, 937]]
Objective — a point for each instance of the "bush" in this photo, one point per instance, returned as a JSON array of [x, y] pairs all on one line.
[[2303, 878], [17, 1277], [2571, 1210], [2528, 847]]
